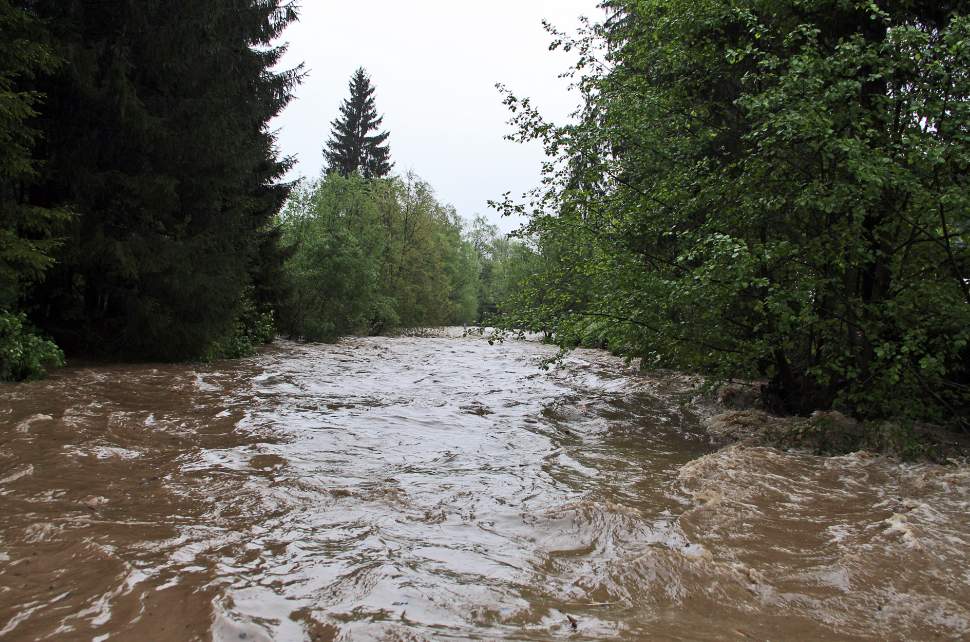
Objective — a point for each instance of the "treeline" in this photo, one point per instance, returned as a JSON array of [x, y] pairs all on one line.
[[374, 255], [368, 253], [774, 190], [368, 256], [141, 195], [138, 178]]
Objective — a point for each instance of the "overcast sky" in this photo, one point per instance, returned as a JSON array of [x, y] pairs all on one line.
[[434, 64]]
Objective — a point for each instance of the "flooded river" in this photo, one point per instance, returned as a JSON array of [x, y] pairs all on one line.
[[445, 488]]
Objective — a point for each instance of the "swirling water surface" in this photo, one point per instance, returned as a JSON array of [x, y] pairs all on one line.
[[445, 488]]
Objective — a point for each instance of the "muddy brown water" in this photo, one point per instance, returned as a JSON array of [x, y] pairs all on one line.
[[444, 488]]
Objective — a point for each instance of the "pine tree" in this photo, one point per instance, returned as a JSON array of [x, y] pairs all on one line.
[[352, 147]]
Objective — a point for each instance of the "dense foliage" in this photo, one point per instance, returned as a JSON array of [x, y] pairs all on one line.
[[23, 353], [355, 144], [27, 231], [505, 266], [147, 121], [140, 193], [772, 189], [370, 256]]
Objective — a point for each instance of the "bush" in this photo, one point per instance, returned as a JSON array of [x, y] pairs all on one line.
[[23, 353], [253, 327], [832, 433]]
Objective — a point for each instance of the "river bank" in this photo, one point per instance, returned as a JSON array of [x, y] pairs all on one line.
[[832, 433], [445, 488]]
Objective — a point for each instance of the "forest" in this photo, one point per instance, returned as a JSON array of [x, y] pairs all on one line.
[[145, 213], [770, 190]]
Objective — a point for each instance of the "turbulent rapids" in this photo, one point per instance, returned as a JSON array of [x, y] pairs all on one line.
[[445, 488]]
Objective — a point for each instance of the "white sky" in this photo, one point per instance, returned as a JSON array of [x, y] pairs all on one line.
[[434, 64]]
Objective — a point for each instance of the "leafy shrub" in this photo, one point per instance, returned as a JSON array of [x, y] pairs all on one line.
[[23, 353], [832, 433], [253, 327]]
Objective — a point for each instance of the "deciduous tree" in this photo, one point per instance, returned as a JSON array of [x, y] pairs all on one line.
[[768, 189]]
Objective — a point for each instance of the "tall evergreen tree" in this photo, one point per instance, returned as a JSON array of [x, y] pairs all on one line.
[[352, 146], [26, 232], [155, 132]]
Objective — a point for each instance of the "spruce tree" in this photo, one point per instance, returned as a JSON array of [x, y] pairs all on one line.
[[155, 132], [27, 232], [352, 146]]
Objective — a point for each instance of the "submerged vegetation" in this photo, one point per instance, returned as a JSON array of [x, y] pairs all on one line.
[[832, 433]]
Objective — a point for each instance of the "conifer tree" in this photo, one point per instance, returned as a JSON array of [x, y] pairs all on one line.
[[26, 231], [155, 132], [352, 146]]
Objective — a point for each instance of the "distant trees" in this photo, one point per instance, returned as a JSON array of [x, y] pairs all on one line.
[[356, 145], [768, 189], [370, 256], [147, 121], [335, 230], [505, 267]]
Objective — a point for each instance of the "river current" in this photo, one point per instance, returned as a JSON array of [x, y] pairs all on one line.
[[444, 488]]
